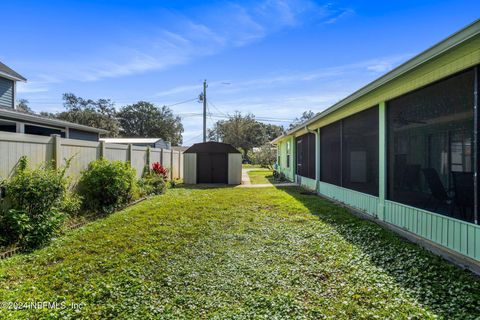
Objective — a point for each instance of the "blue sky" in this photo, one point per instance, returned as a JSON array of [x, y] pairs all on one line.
[[272, 58]]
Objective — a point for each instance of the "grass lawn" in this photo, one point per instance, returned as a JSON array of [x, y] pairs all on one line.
[[260, 176], [240, 253]]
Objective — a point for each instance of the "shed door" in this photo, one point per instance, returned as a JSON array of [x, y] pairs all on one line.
[[212, 168]]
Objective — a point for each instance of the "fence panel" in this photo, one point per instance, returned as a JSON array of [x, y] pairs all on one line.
[[155, 155], [13, 146], [175, 164], [39, 149], [181, 165], [81, 154], [139, 159], [116, 152], [167, 159]]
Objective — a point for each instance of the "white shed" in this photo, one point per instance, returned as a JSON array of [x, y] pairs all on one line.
[[212, 162]]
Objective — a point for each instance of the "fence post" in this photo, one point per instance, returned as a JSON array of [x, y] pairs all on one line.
[[102, 149], [57, 150], [179, 165], [171, 164], [148, 162], [130, 153]]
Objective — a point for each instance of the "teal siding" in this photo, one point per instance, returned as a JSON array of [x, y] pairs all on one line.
[[6, 93], [361, 201], [457, 235], [307, 183]]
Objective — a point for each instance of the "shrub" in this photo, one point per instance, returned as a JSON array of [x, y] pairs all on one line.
[[30, 213], [71, 204], [160, 170], [154, 180], [152, 183], [107, 185]]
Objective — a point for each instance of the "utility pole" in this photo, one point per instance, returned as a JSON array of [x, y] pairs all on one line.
[[205, 110]]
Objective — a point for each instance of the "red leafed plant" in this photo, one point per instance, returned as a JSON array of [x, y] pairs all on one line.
[[160, 170]]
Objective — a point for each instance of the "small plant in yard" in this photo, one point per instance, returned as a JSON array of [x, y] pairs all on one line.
[[160, 170], [107, 185], [154, 180], [31, 213]]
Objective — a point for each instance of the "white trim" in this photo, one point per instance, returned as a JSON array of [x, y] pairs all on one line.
[[10, 77]]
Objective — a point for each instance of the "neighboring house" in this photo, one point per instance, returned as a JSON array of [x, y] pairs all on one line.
[[143, 142], [180, 148], [20, 122], [404, 149]]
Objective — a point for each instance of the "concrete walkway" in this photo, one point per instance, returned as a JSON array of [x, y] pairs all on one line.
[[245, 177], [246, 183], [266, 185]]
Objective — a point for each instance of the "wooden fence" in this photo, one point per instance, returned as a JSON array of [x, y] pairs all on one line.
[[39, 149]]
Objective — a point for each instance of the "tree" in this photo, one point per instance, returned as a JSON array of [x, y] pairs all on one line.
[[306, 115], [265, 156], [22, 106], [94, 113], [144, 119], [273, 131], [243, 132]]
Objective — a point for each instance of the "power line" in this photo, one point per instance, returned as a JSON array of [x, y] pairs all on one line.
[[211, 104], [181, 102]]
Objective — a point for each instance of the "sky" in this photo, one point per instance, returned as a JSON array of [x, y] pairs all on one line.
[[272, 58]]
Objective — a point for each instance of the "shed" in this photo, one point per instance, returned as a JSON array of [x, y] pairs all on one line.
[[212, 162]]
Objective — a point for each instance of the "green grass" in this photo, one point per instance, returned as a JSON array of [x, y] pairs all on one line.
[[242, 253], [251, 166], [260, 176]]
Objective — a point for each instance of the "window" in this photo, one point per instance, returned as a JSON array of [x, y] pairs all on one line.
[[43, 131], [306, 155], [430, 151], [331, 153], [349, 152], [288, 154], [360, 152]]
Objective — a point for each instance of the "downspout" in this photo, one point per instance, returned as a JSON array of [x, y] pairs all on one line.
[[317, 174]]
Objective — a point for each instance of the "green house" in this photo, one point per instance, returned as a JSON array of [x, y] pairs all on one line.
[[404, 149]]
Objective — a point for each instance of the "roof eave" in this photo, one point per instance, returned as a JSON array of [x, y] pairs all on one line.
[[12, 77], [48, 121], [441, 47]]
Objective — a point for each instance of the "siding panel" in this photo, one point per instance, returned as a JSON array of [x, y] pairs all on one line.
[[454, 234], [6, 93], [360, 201]]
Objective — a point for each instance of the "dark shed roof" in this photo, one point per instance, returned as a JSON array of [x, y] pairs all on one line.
[[211, 147]]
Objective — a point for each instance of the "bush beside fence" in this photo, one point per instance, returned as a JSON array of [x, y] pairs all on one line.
[[39, 149]]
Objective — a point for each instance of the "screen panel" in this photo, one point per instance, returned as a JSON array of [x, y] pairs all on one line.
[[430, 151], [360, 151], [306, 155], [330, 155]]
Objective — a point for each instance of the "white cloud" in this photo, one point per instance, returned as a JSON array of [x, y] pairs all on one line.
[[222, 27]]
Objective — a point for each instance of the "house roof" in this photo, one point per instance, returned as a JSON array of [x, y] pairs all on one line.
[[7, 72], [31, 118], [211, 147], [452, 41], [131, 140]]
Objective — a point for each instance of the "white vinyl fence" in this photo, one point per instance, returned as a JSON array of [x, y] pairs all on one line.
[[39, 149]]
